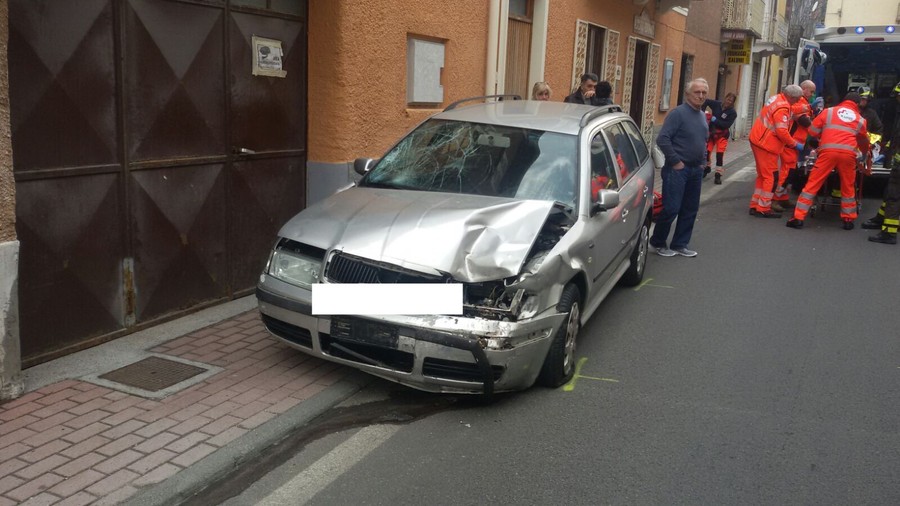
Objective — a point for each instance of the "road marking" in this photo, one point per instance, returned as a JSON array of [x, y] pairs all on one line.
[[303, 487], [568, 387], [647, 281]]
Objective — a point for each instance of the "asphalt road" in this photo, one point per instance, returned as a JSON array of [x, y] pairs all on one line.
[[763, 371]]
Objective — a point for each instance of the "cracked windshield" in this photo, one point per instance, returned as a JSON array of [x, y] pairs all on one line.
[[471, 158]]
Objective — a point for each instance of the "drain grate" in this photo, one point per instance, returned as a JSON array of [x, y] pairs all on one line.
[[153, 374]]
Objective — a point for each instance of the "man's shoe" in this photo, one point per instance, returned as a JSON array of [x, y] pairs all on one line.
[[665, 252], [884, 238], [718, 178], [685, 252], [848, 225], [777, 207], [768, 214], [871, 224], [706, 171], [794, 223]]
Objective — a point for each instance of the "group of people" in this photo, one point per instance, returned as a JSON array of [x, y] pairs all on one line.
[[781, 133], [787, 125], [591, 91]]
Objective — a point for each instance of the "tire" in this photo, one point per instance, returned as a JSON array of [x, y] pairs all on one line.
[[559, 365], [635, 273]]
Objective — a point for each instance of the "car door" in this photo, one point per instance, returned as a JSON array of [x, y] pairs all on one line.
[[602, 246], [628, 216], [642, 178]]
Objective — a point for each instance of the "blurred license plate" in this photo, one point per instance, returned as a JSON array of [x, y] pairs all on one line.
[[363, 331]]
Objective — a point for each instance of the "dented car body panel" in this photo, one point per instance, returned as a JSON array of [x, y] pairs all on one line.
[[401, 228], [506, 199]]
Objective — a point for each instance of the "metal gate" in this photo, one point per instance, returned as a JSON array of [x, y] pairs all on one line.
[[152, 168]]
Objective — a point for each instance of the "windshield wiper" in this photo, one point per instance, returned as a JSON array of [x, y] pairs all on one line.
[[565, 208], [378, 184]]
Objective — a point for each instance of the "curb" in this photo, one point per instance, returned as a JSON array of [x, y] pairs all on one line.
[[219, 464]]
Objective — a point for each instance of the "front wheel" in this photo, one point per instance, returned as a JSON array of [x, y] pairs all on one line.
[[635, 273], [559, 366]]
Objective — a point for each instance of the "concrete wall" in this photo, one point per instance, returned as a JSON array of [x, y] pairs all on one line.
[[856, 12], [11, 384]]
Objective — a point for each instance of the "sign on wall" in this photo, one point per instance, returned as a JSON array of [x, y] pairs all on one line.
[[268, 57], [738, 51]]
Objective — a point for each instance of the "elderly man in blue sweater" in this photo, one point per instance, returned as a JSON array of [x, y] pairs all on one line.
[[683, 141]]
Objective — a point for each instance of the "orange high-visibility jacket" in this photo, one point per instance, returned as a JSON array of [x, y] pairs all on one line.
[[771, 130], [800, 108], [841, 128]]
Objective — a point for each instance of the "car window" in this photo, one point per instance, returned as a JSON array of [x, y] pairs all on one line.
[[478, 159], [638, 140], [603, 175], [623, 153]]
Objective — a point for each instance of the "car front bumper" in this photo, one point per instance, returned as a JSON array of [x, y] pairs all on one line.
[[450, 354]]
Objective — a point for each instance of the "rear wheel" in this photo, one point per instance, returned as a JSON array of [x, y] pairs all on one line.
[[559, 366], [635, 273]]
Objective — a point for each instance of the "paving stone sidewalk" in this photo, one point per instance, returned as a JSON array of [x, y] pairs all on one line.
[[74, 442]]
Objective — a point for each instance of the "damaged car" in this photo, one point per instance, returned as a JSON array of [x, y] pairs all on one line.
[[538, 209]]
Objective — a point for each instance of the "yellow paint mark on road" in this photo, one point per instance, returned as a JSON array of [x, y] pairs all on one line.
[[570, 386], [647, 281]]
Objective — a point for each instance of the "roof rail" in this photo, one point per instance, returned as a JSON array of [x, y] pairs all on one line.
[[500, 97], [599, 111]]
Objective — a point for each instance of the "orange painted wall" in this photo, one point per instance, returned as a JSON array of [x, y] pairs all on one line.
[[670, 34], [357, 69], [615, 15]]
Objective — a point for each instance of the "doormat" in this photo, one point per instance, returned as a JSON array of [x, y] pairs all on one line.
[[155, 377]]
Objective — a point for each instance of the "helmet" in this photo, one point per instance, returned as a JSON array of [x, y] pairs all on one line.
[[866, 93]]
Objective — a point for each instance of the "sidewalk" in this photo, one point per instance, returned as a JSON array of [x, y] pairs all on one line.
[[737, 149], [71, 441]]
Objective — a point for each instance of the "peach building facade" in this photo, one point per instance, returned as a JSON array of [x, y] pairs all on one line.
[[359, 63]]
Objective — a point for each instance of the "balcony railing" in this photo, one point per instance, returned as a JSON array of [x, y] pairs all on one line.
[[747, 15]]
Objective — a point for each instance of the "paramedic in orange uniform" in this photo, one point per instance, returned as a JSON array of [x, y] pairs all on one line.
[[802, 115], [770, 136], [841, 130]]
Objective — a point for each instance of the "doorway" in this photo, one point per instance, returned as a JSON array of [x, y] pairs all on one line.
[[639, 82]]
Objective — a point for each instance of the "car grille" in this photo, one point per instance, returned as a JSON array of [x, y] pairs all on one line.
[[461, 371], [288, 332], [343, 268], [392, 359]]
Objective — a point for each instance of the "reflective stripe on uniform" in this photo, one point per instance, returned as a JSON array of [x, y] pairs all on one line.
[[890, 225], [841, 147], [842, 127]]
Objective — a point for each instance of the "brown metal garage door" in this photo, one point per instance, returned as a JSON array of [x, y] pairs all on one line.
[[152, 168]]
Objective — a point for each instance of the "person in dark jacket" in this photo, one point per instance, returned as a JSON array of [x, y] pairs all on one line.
[[591, 92], [723, 116]]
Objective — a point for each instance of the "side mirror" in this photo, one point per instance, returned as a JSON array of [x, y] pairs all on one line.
[[606, 200], [363, 165]]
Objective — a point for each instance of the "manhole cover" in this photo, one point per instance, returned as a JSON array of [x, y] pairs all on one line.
[[153, 374]]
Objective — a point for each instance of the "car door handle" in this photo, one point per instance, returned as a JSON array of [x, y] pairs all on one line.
[[624, 213], [646, 189]]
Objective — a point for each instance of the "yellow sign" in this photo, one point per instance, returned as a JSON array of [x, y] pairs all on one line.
[[738, 51]]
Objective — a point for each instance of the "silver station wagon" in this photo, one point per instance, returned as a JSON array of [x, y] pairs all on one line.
[[537, 209]]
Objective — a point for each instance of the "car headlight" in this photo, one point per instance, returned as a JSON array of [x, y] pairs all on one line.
[[295, 269]]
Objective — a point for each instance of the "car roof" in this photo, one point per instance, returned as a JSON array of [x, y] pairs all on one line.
[[549, 116]]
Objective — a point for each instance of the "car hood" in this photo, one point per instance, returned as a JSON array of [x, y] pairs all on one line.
[[470, 237]]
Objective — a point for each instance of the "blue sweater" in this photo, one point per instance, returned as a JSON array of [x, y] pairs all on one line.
[[683, 136]]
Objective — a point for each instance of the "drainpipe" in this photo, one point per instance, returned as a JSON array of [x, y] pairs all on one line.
[[493, 47]]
